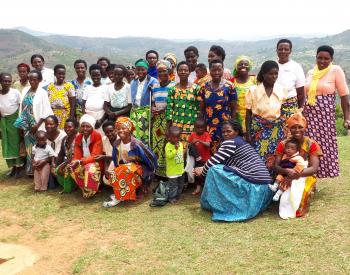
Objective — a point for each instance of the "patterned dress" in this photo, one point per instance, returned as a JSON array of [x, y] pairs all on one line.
[[59, 98], [79, 90]]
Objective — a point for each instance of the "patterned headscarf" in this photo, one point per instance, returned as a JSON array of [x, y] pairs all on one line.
[[239, 59], [296, 119], [126, 122], [164, 64], [172, 57]]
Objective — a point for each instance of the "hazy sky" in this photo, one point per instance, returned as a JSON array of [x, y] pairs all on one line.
[[179, 19]]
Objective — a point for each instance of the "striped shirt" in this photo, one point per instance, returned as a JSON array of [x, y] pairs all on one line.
[[160, 95], [240, 157]]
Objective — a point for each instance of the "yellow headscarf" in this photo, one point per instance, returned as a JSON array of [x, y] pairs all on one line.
[[239, 59], [125, 121], [316, 76]]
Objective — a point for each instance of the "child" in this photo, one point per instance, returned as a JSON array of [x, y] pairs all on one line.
[[290, 159], [43, 155], [199, 148], [174, 155], [202, 75]]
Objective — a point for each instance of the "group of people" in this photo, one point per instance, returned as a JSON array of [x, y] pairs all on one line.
[[242, 139]]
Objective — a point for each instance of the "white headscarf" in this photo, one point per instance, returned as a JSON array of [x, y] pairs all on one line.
[[88, 119]]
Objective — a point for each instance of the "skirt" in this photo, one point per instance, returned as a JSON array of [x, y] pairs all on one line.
[[62, 115], [29, 141], [125, 179], [141, 116], [65, 180], [289, 107], [322, 128], [232, 198], [87, 177], [159, 127]]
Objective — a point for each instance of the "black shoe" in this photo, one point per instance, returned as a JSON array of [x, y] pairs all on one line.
[[12, 172], [18, 173]]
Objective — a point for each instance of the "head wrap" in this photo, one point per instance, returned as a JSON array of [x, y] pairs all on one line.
[[296, 119], [164, 64], [239, 59], [172, 57], [142, 63], [126, 122], [88, 119]]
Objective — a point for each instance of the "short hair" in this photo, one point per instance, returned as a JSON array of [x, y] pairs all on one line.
[[94, 67], [5, 74], [37, 56], [59, 66], [78, 61], [174, 131], [73, 121], [191, 49], [108, 123], [40, 133], [326, 48], [40, 76], [182, 63], [235, 125], [218, 50], [122, 67], [152, 51], [23, 65], [266, 67], [216, 61], [103, 58], [200, 122], [53, 117], [294, 141], [284, 40], [110, 67], [201, 66]]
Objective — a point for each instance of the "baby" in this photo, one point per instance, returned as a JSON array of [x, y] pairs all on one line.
[[290, 159]]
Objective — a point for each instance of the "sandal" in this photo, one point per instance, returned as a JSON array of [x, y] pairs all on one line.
[[109, 204]]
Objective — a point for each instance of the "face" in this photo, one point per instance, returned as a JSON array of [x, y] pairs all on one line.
[[6, 82], [38, 63], [183, 72], [200, 129], [41, 140], [228, 132], [200, 73], [86, 129], [141, 72], [290, 149], [60, 75], [130, 75], [243, 67], [103, 64], [34, 81], [271, 76], [283, 52], [118, 75], [111, 75], [80, 70], [152, 59], [216, 72], [96, 77], [50, 126], [22, 72], [212, 56], [109, 132], [163, 74], [69, 128], [297, 131], [123, 132], [191, 59], [323, 59], [174, 138]]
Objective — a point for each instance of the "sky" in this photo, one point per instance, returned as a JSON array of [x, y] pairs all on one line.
[[180, 19]]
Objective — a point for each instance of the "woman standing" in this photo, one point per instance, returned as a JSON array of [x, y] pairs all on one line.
[[218, 101], [152, 58], [321, 84], [242, 81], [159, 123], [173, 61], [23, 70], [38, 63], [62, 96], [35, 107], [236, 179], [183, 103], [263, 118], [141, 101], [218, 52]]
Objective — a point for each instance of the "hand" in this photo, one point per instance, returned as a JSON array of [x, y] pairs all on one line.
[[40, 163], [248, 138], [61, 169], [53, 171], [177, 145], [154, 110], [198, 171], [346, 124], [98, 124], [285, 184], [100, 158], [292, 174], [107, 175], [74, 164], [34, 129]]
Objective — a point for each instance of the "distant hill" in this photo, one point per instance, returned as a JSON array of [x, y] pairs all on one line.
[[17, 46]]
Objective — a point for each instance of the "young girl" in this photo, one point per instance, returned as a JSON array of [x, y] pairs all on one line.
[[43, 155]]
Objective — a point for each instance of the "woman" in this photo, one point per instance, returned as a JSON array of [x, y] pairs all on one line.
[[38, 63], [103, 63], [85, 169], [242, 81], [264, 123], [291, 76], [65, 156], [236, 179], [218, 52], [23, 70], [295, 199], [173, 61], [159, 123], [152, 58], [62, 96], [135, 164], [141, 101], [319, 111], [80, 84], [35, 107], [183, 103], [218, 101], [10, 100], [130, 74]]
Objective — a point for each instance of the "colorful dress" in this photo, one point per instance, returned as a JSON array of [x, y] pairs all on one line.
[[217, 108], [59, 98], [159, 125], [79, 90], [182, 108], [241, 89]]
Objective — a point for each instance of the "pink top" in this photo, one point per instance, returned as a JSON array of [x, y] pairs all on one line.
[[332, 81]]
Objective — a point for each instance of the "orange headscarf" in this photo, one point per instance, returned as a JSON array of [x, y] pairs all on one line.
[[296, 119], [126, 122]]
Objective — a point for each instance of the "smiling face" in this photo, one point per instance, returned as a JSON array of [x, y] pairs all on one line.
[[6, 81], [109, 132], [283, 52], [23, 73], [60, 75], [270, 77], [38, 63], [50, 126], [323, 59], [297, 131], [80, 70], [141, 72], [70, 129], [216, 72], [228, 132], [123, 132], [243, 67], [96, 77]]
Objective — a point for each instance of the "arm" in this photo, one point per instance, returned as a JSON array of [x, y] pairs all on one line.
[[344, 100], [300, 96], [72, 106], [248, 123], [83, 106], [124, 111], [100, 121], [106, 108], [202, 109], [233, 108], [170, 152], [36, 126]]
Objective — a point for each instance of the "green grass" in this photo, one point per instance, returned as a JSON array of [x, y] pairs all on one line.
[[136, 239]]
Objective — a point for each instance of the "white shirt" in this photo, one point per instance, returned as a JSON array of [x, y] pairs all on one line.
[[10, 102], [124, 151], [94, 97], [139, 92], [43, 153], [291, 76], [85, 145], [48, 77], [57, 143], [118, 99]]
